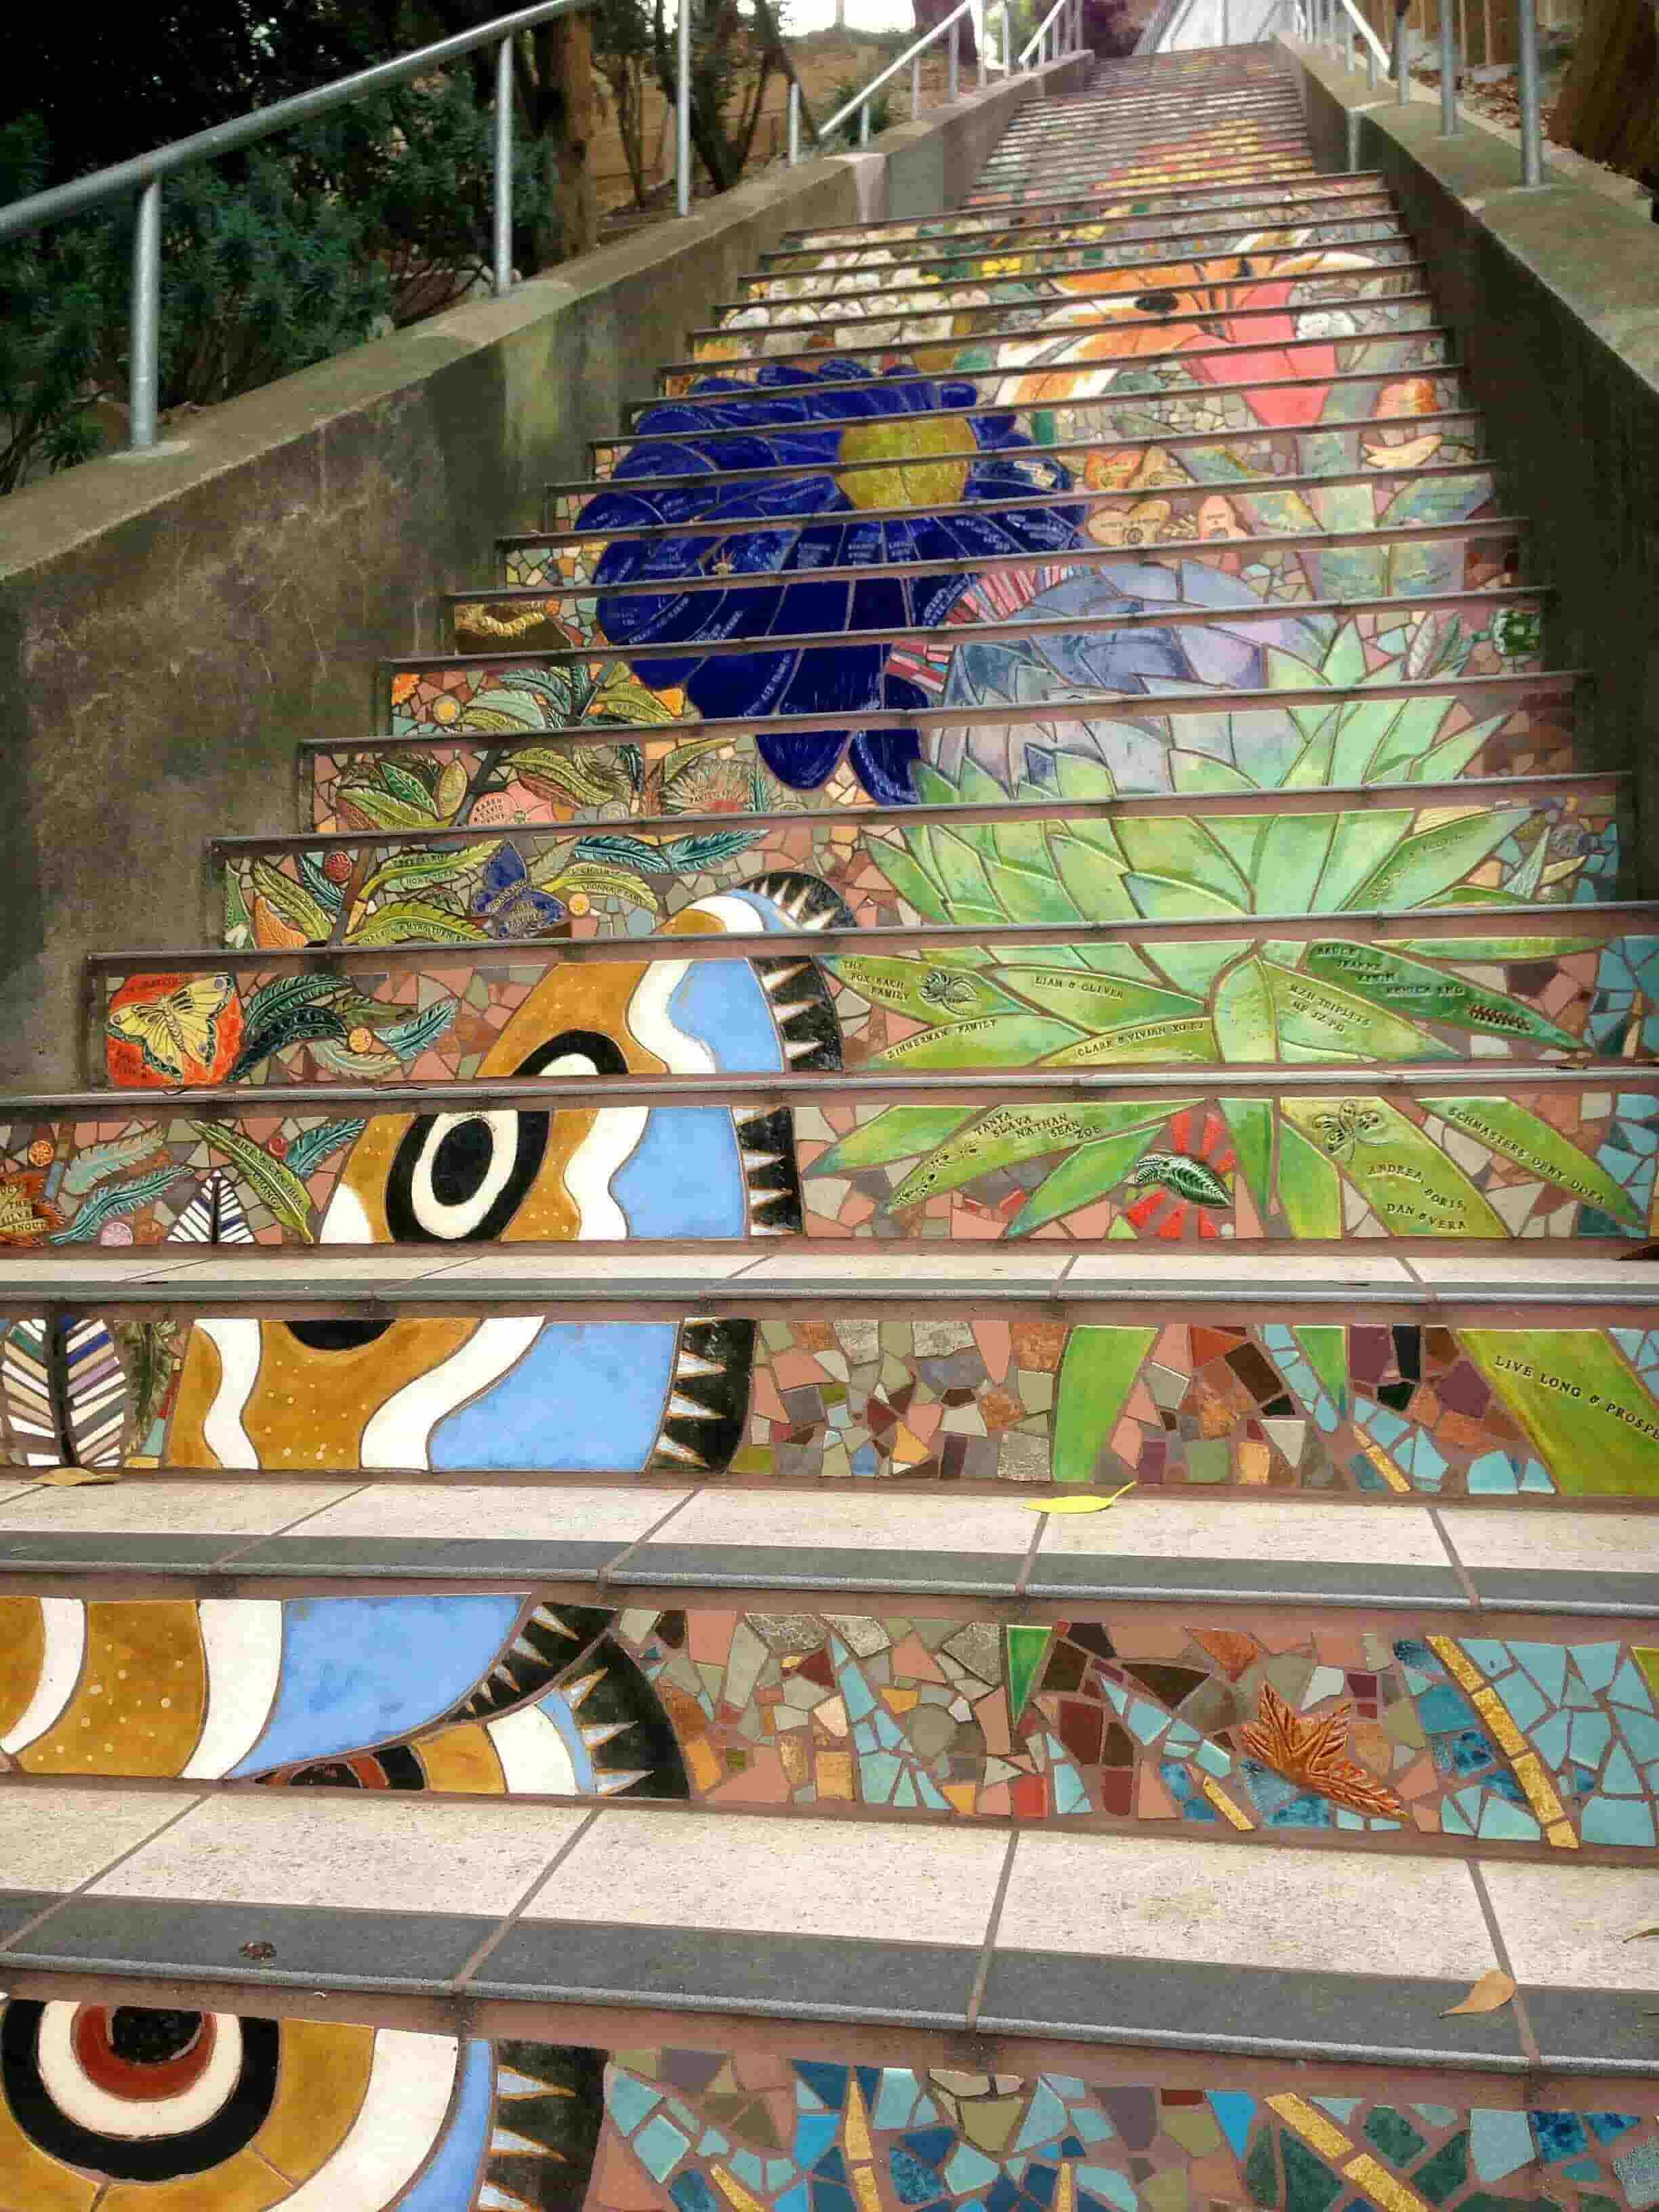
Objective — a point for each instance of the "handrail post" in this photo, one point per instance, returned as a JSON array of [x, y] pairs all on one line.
[[864, 125], [1532, 127], [915, 87], [144, 369], [981, 68], [503, 167], [1448, 71], [1403, 90], [794, 123], [1371, 66], [956, 64], [682, 112]]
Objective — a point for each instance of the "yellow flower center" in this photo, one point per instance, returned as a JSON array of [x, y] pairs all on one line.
[[928, 467]]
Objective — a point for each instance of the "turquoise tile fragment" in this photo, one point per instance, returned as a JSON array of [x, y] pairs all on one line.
[[1616, 1820], [660, 2147], [1547, 1665], [631, 2100], [1500, 2142]]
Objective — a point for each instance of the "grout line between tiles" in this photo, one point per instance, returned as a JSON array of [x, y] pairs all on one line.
[[612, 1566], [1466, 1581], [992, 1922], [1031, 1549], [103, 1873], [251, 1543], [509, 1921], [1501, 1951]]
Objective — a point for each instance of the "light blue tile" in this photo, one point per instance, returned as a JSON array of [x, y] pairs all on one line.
[[1500, 2142]]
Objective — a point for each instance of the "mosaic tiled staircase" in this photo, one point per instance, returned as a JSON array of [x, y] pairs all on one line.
[[983, 867]]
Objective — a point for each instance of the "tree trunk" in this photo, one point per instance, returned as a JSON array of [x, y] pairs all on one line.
[[930, 12], [568, 224]]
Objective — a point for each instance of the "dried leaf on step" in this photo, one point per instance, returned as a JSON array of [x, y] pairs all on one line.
[[1490, 1994], [1637, 1933], [76, 1478], [1091, 1503]]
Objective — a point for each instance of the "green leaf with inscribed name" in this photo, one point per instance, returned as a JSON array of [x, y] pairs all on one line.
[[1243, 1011], [1096, 1376], [1095, 1001], [1088, 1175], [1412, 1186], [415, 921], [1009, 1134], [1136, 1044], [1507, 1126], [903, 1133], [1424, 992], [1309, 1188], [277, 1186], [928, 991], [1435, 859], [1588, 1418], [1317, 1020], [1498, 950], [994, 1040]]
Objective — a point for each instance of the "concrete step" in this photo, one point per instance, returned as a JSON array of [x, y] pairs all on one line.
[[1241, 168], [599, 1923], [1472, 1374], [691, 766]]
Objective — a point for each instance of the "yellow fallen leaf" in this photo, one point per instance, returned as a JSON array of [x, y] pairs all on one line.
[[1091, 1503], [1490, 1994], [76, 1478]]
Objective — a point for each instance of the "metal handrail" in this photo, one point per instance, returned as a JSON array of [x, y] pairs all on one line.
[[144, 171], [1047, 34], [912, 53], [1039, 37], [1370, 35]]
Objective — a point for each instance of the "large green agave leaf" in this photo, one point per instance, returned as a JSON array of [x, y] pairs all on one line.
[[1433, 861], [1443, 762], [1008, 1134], [1250, 1124], [997, 1041], [1501, 950], [1507, 1126], [1243, 1011], [1079, 778], [1162, 898], [1095, 1001], [1191, 965], [1410, 1184], [1088, 1175], [1309, 1188], [913, 883], [1408, 734], [1428, 992], [1361, 731], [1279, 855], [901, 1133], [961, 876], [1344, 664], [1021, 874], [1180, 849], [923, 989], [1096, 1376], [1137, 1043], [1438, 499], [1335, 1023], [1360, 842], [1202, 775], [1094, 879]]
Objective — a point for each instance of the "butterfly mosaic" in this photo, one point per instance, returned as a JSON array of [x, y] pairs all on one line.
[[1352, 1125]]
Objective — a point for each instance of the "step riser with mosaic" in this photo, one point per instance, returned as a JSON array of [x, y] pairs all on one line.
[[1238, 169], [641, 2126], [1114, 1715], [889, 338], [1269, 147], [937, 231], [1331, 852], [650, 598], [1046, 365], [1059, 409], [531, 775], [1119, 239], [1213, 630], [1190, 1157], [1193, 1404], [1409, 989], [1163, 507], [851, 294]]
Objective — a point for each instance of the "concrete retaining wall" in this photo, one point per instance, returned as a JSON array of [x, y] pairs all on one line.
[[170, 626], [1554, 296]]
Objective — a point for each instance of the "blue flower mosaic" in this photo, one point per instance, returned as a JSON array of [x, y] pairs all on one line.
[[815, 420]]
